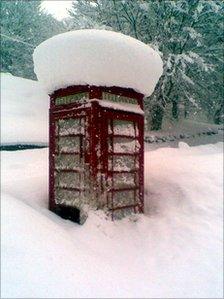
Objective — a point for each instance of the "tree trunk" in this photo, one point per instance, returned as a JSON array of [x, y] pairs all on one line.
[[175, 108], [157, 117], [186, 109], [219, 115]]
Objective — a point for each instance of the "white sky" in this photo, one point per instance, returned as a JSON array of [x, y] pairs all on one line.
[[57, 8]]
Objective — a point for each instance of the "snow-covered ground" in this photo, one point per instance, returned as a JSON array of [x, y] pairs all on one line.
[[174, 250]]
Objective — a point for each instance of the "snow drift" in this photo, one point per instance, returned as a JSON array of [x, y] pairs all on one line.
[[97, 57], [24, 111]]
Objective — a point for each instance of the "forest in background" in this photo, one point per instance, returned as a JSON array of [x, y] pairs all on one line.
[[188, 34]]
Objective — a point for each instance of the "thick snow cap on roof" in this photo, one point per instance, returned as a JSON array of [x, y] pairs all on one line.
[[97, 57]]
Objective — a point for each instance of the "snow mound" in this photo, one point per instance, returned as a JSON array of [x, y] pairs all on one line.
[[24, 111], [97, 57], [183, 145]]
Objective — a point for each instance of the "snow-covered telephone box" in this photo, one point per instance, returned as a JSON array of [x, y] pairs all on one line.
[[96, 149], [96, 80]]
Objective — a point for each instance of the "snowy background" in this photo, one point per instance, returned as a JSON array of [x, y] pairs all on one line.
[[174, 250], [24, 111]]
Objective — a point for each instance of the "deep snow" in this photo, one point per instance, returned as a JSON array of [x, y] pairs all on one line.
[[97, 57], [173, 251]]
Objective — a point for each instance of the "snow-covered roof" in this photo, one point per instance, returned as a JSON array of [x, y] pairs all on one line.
[[97, 57]]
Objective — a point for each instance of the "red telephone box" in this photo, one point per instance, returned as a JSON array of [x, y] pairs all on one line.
[[96, 151], [96, 131]]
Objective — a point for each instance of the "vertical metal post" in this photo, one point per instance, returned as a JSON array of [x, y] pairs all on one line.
[[141, 164], [52, 203]]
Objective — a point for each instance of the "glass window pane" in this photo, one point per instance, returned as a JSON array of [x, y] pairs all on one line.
[[123, 198], [118, 98], [72, 198], [71, 126], [123, 163], [71, 98], [123, 127], [69, 144], [124, 145], [67, 179], [68, 162], [124, 180]]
